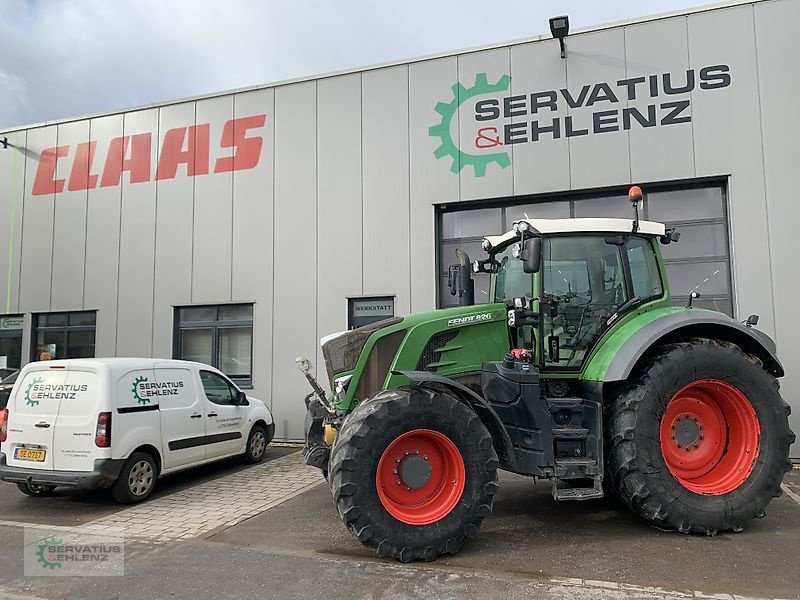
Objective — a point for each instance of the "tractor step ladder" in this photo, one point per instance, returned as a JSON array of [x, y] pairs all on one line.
[[578, 493], [583, 479]]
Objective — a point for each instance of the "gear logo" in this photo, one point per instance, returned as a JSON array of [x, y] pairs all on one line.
[[28, 400], [45, 556], [135, 390], [448, 146]]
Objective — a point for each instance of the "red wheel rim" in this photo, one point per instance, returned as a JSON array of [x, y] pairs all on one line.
[[420, 477], [710, 437]]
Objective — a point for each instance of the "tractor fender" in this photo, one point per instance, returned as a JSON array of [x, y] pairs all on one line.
[[490, 419], [687, 324]]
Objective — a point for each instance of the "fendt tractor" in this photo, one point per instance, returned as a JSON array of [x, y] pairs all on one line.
[[579, 370]]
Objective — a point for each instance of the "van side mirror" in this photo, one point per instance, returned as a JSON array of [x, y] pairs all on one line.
[[531, 254], [241, 399]]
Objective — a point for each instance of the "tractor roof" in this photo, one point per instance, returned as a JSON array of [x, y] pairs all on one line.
[[556, 226]]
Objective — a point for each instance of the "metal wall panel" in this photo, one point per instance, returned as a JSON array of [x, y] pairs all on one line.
[[102, 237], [69, 227], [12, 192], [37, 224], [778, 49], [727, 139], [339, 209], [431, 181], [253, 232], [295, 248], [137, 246], [386, 193], [173, 229], [597, 159], [213, 211], [539, 166], [659, 153], [498, 178]]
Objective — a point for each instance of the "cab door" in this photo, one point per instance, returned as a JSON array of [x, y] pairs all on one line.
[[183, 420], [225, 420]]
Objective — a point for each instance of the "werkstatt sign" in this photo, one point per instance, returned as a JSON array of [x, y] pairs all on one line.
[[10, 323], [373, 308]]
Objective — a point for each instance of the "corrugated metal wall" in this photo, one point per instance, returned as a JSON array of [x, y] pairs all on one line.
[[341, 202]]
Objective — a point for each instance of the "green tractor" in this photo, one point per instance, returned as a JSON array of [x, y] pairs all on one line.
[[579, 370]]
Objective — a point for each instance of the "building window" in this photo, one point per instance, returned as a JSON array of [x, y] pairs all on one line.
[[64, 335], [10, 344], [220, 336], [700, 261]]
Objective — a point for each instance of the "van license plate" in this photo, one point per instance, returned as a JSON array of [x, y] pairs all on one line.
[[28, 454]]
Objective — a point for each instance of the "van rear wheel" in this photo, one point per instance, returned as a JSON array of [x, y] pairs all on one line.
[[36, 490], [137, 480]]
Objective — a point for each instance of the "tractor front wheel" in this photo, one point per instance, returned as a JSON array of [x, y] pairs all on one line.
[[699, 441], [413, 473]]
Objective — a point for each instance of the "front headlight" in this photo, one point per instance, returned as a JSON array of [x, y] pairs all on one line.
[[340, 385]]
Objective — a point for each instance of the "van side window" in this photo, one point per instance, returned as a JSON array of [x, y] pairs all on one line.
[[218, 390]]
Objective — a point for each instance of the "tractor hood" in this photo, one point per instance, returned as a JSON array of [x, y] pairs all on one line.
[[446, 341]]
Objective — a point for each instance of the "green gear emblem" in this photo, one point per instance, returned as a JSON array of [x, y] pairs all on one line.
[[442, 130], [41, 553], [28, 400], [135, 390]]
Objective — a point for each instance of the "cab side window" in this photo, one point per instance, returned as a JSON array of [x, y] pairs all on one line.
[[644, 268], [217, 389]]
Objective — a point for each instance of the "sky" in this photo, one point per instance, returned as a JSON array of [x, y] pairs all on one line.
[[68, 58]]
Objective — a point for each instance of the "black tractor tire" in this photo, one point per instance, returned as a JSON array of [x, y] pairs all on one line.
[[637, 469], [137, 480], [36, 490], [373, 427]]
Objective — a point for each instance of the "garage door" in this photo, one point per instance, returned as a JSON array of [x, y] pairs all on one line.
[[699, 261]]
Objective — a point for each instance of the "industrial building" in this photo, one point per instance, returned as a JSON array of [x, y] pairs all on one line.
[[238, 228]]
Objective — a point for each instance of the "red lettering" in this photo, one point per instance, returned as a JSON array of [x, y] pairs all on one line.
[[247, 150], [138, 165], [195, 157], [45, 181], [81, 178]]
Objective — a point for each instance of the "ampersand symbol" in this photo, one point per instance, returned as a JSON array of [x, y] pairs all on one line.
[[484, 141]]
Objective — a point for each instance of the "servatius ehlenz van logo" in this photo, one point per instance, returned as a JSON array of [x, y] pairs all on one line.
[[478, 154], [137, 386]]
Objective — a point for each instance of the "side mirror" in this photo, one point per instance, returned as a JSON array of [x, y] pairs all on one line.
[[531, 255], [241, 399]]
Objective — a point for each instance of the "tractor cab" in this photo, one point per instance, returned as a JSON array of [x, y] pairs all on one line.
[[566, 281]]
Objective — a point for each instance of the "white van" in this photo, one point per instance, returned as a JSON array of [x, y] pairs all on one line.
[[122, 423]]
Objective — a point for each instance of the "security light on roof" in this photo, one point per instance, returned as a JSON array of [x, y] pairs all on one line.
[[559, 27]]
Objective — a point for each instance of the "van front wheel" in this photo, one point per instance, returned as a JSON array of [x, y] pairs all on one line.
[[137, 479], [256, 445]]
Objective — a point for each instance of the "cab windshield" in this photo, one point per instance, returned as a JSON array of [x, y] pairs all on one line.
[[509, 280]]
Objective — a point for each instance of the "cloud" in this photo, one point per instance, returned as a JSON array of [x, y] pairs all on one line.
[[63, 58]]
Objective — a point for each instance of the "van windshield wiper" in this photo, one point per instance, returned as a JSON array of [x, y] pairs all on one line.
[[629, 305]]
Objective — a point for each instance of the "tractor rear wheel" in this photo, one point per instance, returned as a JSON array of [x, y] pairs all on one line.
[[413, 473], [699, 442]]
